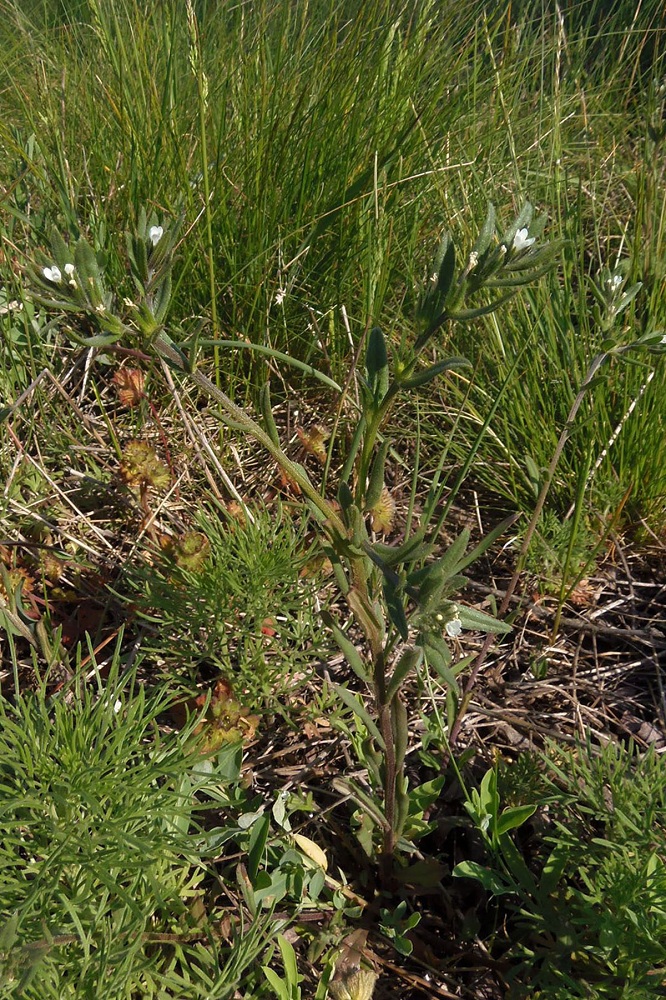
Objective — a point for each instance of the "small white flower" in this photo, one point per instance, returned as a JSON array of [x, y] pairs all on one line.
[[473, 260], [521, 240], [117, 707], [52, 274], [280, 296], [453, 628], [69, 270], [502, 250], [155, 233]]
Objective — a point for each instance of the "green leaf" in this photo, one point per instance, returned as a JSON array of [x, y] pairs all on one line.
[[289, 961], [442, 273], [246, 888], [257, 844], [438, 657], [487, 232], [376, 364], [353, 451], [491, 880], [371, 806], [424, 796], [488, 794], [279, 988], [408, 662], [522, 221], [8, 933], [486, 542], [515, 282], [513, 817], [163, 298], [446, 268], [556, 863], [353, 702], [267, 413], [392, 555], [478, 621], [628, 297], [61, 251], [347, 647], [399, 725], [376, 479], [86, 262], [141, 260], [465, 314], [287, 359], [449, 564], [396, 609], [345, 497], [428, 374]]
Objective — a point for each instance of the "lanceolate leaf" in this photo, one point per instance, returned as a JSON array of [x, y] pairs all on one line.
[[485, 544], [408, 662], [376, 363], [351, 653], [86, 262], [362, 799], [479, 621], [446, 270], [392, 555], [353, 702], [428, 374], [267, 413], [464, 314], [487, 232], [396, 609], [376, 482]]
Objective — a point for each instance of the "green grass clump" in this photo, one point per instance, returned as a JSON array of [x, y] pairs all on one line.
[[102, 856], [316, 151], [596, 926]]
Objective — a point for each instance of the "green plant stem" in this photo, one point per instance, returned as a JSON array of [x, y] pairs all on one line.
[[359, 596], [390, 768], [596, 364]]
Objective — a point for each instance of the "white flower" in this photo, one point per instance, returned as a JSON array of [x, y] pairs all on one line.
[[52, 274], [69, 270], [521, 240], [473, 260], [453, 628], [117, 706], [279, 296], [155, 233]]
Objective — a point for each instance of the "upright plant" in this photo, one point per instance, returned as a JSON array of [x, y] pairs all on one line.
[[400, 597]]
